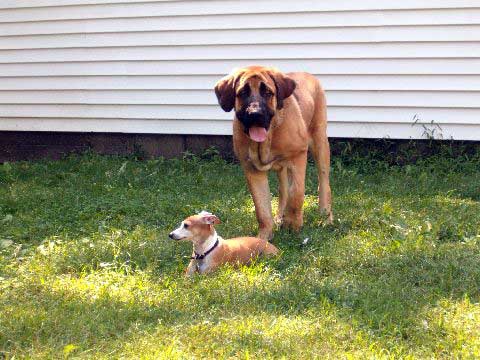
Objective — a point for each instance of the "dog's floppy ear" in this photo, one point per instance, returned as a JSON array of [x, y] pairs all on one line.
[[284, 85], [209, 219], [225, 91]]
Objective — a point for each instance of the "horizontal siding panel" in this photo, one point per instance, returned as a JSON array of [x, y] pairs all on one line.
[[254, 52], [164, 126], [212, 112], [338, 129], [16, 4], [207, 97], [400, 131], [402, 34], [398, 99], [248, 21], [221, 67], [207, 82], [217, 7], [162, 82]]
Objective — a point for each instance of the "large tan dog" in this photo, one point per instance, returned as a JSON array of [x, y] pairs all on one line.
[[273, 130]]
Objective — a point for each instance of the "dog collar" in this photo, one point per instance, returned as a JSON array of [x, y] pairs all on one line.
[[201, 257]]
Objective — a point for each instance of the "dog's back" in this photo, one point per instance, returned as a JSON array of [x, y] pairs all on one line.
[[243, 249], [310, 97]]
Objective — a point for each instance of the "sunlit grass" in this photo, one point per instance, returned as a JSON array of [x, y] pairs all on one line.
[[87, 269]]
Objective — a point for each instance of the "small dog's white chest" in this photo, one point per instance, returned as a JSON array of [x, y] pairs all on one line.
[[202, 266]]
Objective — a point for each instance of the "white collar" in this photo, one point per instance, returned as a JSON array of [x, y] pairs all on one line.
[[207, 246]]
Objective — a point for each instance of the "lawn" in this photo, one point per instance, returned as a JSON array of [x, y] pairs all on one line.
[[87, 269]]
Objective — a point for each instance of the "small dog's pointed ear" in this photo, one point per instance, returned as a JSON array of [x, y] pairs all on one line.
[[210, 219], [225, 91], [284, 85]]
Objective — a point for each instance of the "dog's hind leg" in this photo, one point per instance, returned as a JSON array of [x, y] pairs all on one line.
[[321, 152], [282, 194]]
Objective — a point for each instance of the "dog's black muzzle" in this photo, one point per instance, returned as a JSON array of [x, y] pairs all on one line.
[[260, 118]]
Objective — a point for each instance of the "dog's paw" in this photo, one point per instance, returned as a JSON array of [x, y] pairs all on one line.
[[265, 234], [278, 220], [292, 224]]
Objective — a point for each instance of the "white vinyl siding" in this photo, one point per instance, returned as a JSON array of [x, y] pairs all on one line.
[[391, 69]]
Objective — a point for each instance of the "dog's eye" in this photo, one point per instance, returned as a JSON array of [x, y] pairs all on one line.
[[244, 92], [265, 90], [185, 226]]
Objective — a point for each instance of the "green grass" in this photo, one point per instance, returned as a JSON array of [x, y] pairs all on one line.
[[87, 269]]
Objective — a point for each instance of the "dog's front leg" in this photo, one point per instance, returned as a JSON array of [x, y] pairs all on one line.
[[191, 269], [293, 217], [258, 186]]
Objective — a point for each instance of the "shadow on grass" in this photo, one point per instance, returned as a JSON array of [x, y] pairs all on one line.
[[382, 290], [387, 298]]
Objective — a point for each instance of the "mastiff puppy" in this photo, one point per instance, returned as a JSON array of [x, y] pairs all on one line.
[[278, 117]]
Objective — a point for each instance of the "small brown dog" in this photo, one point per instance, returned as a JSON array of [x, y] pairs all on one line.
[[211, 251]]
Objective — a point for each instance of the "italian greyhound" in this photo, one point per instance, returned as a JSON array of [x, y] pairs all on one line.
[[211, 251]]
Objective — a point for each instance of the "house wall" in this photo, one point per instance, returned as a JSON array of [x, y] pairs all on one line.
[[390, 68]]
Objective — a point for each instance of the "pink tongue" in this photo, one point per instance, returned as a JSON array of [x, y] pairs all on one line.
[[258, 134]]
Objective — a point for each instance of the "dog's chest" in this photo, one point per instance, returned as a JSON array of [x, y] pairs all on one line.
[[261, 156], [202, 266]]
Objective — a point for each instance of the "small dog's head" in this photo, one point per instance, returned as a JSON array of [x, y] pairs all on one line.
[[256, 93], [195, 228]]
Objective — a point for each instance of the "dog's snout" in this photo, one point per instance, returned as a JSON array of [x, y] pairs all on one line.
[[171, 236], [253, 107]]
